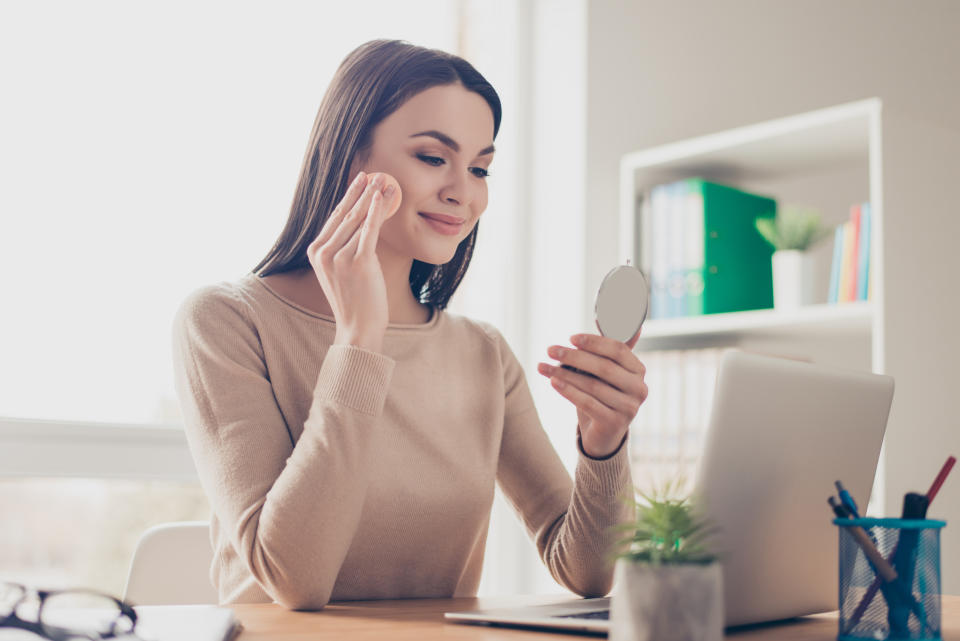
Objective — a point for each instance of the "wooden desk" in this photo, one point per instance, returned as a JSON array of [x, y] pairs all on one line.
[[422, 619]]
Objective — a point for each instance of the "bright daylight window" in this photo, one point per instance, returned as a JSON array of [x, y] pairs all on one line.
[[147, 150]]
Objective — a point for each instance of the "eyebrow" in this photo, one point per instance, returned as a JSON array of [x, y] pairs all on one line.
[[450, 142]]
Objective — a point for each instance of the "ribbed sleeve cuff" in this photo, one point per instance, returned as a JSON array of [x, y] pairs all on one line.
[[608, 476], [355, 377]]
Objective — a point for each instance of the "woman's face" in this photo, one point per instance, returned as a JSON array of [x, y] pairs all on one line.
[[438, 145]]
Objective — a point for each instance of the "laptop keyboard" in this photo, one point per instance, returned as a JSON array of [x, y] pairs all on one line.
[[599, 614]]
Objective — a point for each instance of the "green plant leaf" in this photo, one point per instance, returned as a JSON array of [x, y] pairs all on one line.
[[667, 529], [794, 227]]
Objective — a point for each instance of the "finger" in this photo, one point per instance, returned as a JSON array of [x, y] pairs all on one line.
[[625, 404], [585, 403], [348, 227], [610, 348], [354, 192], [633, 341], [352, 247], [607, 370], [370, 230]]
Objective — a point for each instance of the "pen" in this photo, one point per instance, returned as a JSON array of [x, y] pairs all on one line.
[[847, 500], [941, 477], [904, 559], [839, 508], [884, 569]]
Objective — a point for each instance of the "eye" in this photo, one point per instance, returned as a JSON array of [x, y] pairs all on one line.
[[434, 161], [430, 160]]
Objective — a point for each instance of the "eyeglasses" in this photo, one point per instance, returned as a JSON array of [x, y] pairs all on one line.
[[63, 615]]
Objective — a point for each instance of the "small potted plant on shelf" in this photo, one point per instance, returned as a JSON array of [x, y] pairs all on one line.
[[792, 232], [667, 584]]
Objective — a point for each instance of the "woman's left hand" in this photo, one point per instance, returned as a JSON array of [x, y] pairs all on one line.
[[607, 404]]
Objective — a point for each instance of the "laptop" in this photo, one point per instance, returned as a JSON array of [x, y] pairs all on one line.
[[781, 432]]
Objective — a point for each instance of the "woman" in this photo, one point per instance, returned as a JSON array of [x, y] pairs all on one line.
[[347, 430]]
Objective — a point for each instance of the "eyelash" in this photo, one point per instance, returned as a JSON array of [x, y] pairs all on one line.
[[427, 159]]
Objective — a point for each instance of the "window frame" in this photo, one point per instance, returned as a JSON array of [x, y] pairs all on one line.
[[81, 449]]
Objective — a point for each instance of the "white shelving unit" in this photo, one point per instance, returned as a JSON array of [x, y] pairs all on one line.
[[906, 166], [828, 159]]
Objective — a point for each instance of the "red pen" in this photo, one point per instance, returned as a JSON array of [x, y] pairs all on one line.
[[941, 477]]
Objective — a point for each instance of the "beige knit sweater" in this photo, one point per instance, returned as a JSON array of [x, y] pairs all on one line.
[[337, 473]]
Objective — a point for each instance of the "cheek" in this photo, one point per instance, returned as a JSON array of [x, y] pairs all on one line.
[[398, 227], [481, 203]]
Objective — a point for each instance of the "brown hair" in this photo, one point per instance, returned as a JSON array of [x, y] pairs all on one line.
[[370, 84]]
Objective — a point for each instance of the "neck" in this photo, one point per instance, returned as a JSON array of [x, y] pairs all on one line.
[[404, 307]]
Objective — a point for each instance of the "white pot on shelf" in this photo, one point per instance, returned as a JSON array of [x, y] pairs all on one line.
[[792, 279], [669, 602]]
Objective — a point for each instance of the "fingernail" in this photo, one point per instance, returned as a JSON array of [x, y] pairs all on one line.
[[378, 180], [577, 340], [389, 191], [360, 178], [558, 383]]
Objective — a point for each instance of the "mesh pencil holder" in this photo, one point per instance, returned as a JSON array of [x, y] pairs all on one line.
[[894, 594]]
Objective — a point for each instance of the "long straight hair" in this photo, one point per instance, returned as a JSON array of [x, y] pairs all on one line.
[[372, 82]]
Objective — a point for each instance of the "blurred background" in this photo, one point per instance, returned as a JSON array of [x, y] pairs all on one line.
[[148, 149]]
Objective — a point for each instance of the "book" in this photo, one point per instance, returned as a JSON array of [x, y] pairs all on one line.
[[173, 623], [693, 250], [832, 296], [737, 270], [854, 260], [850, 269], [657, 231], [846, 270], [708, 256], [677, 231], [863, 253]]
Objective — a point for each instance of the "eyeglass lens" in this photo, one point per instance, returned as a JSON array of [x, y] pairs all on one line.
[[69, 614], [93, 614]]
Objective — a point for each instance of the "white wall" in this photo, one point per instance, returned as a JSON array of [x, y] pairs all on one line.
[[659, 71]]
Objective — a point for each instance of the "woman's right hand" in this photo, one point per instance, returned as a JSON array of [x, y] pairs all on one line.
[[345, 261]]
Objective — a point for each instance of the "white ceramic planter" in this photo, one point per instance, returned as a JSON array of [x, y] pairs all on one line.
[[792, 279], [677, 602]]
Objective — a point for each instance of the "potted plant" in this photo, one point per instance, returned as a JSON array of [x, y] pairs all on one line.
[[792, 232], [667, 584]]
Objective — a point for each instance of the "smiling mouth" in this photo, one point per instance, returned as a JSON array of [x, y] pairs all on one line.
[[442, 226], [441, 218]]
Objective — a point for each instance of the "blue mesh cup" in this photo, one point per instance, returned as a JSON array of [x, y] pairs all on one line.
[[874, 607]]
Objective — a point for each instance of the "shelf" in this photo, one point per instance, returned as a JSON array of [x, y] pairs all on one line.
[[811, 320], [796, 144]]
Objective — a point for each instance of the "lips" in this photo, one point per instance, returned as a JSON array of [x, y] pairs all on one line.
[[438, 223], [443, 218]]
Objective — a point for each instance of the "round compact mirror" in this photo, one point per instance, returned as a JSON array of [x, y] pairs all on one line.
[[622, 302], [621, 306]]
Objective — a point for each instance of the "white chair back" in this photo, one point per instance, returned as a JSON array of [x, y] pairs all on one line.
[[171, 566]]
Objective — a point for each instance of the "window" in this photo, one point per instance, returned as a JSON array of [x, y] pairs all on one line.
[[148, 150]]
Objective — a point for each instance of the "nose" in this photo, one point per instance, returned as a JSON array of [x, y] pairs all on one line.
[[456, 191], [452, 195]]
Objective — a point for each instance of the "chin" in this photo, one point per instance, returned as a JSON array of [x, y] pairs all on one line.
[[437, 258]]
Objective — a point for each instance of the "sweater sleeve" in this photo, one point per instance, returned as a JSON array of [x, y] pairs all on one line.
[[290, 511], [568, 520]]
